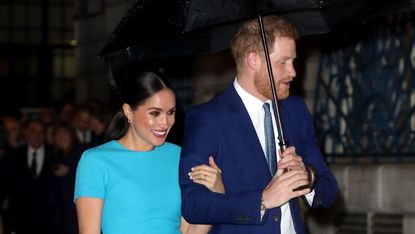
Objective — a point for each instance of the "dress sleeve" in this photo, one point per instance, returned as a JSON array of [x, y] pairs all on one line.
[[90, 177]]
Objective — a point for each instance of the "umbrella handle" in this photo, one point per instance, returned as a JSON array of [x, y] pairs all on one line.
[[283, 146]]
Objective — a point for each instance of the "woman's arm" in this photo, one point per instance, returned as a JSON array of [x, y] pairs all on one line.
[[209, 176], [195, 228], [89, 211]]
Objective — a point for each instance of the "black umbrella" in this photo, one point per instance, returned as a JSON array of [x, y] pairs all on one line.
[[150, 27], [185, 25], [157, 21], [158, 28]]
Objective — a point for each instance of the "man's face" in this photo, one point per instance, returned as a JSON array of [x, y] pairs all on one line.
[[82, 120], [35, 135], [282, 62], [12, 127]]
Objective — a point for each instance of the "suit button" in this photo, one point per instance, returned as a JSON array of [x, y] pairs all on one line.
[[275, 218]]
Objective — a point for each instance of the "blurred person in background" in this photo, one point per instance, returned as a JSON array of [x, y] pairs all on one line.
[[32, 184], [82, 124], [13, 132], [68, 152], [2, 177], [67, 112], [49, 135], [99, 124], [48, 116], [11, 139]]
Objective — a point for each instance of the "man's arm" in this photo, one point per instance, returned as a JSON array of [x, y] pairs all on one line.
[[325, 187], [202, 137]]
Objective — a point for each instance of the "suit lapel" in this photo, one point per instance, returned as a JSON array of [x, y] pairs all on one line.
[[242, 123]]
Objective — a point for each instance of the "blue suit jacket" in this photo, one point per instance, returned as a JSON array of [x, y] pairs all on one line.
[[222, 128]]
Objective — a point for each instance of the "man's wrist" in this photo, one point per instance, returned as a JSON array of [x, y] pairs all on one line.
[[263, 206], [312, 176], [264, 201]]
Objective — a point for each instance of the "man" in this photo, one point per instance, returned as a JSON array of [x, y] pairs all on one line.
[[231, 128], [13, 132], [32, 185], [82, 125], [12, 138]]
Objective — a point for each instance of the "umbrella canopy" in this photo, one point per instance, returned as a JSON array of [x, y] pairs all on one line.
[[202, 27], [195, 22], [184, 26], [155, 23]]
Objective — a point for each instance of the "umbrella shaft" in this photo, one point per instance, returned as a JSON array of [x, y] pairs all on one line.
[[282, 143]]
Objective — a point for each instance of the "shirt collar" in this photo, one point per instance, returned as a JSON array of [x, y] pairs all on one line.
[[39, 151]]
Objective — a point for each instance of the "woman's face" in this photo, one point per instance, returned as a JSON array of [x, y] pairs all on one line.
[[63, 139], [152, 120]]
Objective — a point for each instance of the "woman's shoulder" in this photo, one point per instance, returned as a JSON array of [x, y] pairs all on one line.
[[107, 145], [171, 147], [100, 149]]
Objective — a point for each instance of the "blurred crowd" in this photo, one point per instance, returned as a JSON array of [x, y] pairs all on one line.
[[39, 153]]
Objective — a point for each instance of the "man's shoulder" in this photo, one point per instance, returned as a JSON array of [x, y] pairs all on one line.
[[293, 100], [293, 103], [218, 102]]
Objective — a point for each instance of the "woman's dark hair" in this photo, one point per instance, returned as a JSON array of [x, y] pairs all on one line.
[[69, 129], [134, 90]]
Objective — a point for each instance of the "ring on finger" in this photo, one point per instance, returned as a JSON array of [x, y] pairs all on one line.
[[205, 177]]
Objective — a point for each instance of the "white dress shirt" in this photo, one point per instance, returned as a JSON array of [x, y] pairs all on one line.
[[84, 137], [40, 157], [254, 106]]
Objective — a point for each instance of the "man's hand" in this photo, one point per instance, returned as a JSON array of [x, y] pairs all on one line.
[[282, 187], [290, 160]]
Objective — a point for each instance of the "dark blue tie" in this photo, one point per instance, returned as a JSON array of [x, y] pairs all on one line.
[[33, 164], [269, 140]]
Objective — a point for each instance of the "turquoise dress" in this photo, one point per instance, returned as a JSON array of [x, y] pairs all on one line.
[[140, 190]]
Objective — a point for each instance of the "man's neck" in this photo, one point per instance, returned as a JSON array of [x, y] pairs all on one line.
[[247, 83]]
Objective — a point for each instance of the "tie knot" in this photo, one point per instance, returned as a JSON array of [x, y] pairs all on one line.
[[266, 107]]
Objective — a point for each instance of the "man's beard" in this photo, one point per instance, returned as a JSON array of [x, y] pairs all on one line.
[[263, 86]]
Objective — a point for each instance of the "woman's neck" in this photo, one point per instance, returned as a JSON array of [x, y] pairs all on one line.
[[132, 142]]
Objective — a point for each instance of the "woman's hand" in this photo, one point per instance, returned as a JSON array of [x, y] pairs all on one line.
[[60, 170], [209, 176]]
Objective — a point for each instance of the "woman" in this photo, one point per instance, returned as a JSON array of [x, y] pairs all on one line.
[[130, 185], [69, 151], [99, 123]]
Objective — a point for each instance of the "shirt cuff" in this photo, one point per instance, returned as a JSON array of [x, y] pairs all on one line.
[[310, 197]]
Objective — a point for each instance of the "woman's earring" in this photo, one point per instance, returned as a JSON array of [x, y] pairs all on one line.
[[129, 121]]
